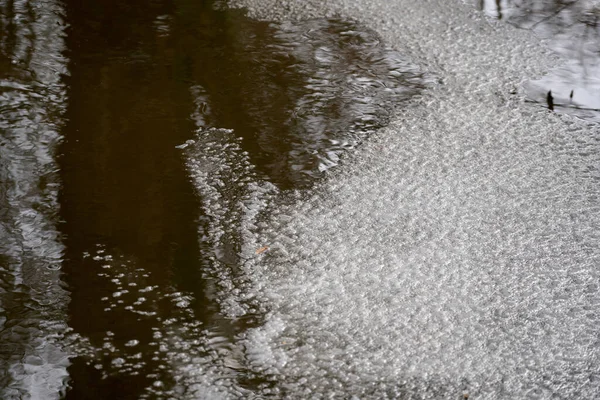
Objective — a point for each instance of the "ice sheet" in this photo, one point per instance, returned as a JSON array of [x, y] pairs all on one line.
[[456, 252]]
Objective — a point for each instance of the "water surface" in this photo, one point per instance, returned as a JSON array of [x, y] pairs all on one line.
[[104, 227], [33, 299]]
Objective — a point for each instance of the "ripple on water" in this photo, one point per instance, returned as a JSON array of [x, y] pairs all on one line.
[[308, 91], [172, 354]]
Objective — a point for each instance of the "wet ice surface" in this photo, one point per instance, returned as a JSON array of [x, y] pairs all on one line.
[[455, 254], [33, 358]]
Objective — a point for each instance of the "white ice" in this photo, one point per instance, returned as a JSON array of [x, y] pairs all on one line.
[[454, 254]]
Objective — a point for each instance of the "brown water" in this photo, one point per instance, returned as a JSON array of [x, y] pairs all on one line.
[[124, 183]]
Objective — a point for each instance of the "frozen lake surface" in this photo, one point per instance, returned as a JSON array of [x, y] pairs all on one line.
[[381, 205]]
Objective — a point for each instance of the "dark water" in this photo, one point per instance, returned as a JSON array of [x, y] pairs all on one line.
[[124, 185], [100, 220]]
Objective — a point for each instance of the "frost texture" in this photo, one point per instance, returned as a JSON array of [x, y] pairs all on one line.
[[457, 252]]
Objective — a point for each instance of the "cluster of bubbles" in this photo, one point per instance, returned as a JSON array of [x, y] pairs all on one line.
[[178, 356]]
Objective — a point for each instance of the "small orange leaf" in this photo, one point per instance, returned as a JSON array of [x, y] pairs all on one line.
[[262, 250]]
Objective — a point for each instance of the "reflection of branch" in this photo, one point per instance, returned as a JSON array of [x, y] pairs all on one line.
[[552, 15], [560, 105], [499, 7], [582, 51], [579, 108]]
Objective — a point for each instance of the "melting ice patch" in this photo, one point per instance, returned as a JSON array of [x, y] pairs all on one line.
[[457, 254]]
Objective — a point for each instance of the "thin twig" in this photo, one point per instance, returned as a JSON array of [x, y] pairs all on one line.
[[553, 15]]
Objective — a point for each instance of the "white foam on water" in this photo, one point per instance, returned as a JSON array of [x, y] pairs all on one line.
[[232, 198], [456, 253]]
